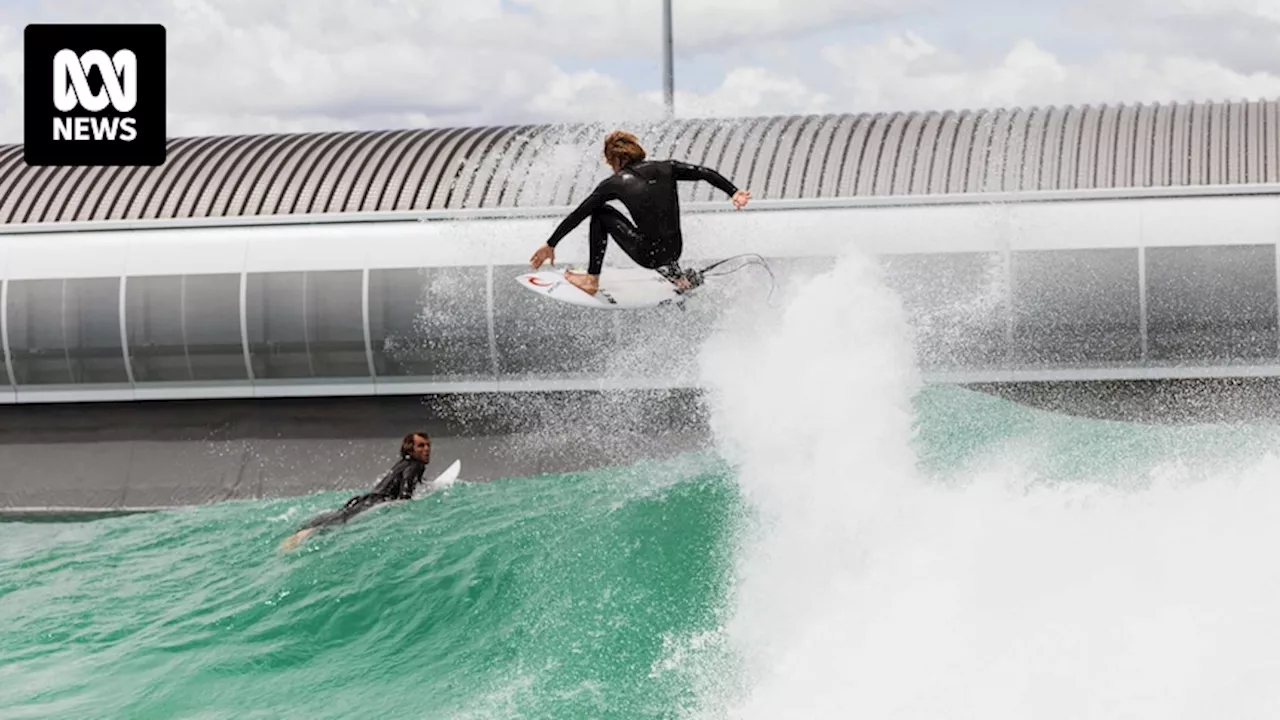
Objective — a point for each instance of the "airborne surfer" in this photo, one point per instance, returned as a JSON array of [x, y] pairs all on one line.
[[398, 484], [648, 190]]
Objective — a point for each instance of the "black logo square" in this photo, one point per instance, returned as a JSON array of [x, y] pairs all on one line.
[[94, 95]]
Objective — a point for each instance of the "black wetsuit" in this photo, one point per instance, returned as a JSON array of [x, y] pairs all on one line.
[[398, 484], [648, 190]]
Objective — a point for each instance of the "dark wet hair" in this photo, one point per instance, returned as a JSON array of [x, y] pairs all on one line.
[[406, 445]]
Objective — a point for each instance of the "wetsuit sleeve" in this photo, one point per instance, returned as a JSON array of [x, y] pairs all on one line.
[[686, 171], [603, 193]]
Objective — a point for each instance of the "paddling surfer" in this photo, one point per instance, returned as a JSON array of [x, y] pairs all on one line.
[[398, 483]]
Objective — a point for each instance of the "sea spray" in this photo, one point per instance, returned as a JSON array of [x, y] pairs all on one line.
[[868, 589], [812, 406]]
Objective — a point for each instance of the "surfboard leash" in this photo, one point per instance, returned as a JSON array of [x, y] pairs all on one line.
[[755, 260]]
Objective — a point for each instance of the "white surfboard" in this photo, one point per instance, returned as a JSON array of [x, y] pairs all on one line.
[[620, 288], [445, 479]]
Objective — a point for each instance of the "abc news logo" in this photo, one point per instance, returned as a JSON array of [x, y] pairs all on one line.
[[71, 90], [107, 105]]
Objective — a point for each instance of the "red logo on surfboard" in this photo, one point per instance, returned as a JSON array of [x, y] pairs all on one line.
[[537, 282]]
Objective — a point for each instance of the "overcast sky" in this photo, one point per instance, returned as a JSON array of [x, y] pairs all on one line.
[[270, 65]]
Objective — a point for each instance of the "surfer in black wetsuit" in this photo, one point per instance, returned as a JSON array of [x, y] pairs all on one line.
[[648, 190], [398, 484]]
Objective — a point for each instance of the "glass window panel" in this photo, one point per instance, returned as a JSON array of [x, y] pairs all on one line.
[[335, 318], [66, 331], [306, 324], [93, 330], [1076, 307], [184, 328], [37, 342], [4, 371], [276, 325], [430, 322], [211, 309], [153, 320], [1211, 303], [956, 303]]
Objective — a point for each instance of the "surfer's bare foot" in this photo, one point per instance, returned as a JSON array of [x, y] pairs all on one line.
[[682, 283], [294, 540], [588, 284]]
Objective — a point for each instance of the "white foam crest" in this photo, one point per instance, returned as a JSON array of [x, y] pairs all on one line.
[[868, 592]]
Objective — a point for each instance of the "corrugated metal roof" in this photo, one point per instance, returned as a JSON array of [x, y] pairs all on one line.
[[810, 156]]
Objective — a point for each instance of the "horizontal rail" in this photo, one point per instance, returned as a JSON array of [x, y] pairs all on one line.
[[603, 384]]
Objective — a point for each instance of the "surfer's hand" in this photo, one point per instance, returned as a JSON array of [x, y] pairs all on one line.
[[546, 253], [740, 198]]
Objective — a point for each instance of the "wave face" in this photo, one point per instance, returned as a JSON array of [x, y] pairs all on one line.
[[854, 546], [544, 597]]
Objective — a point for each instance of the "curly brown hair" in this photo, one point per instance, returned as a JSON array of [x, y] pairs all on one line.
[[622, 148]]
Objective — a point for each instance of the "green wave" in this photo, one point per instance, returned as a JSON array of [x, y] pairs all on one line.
[[591, 595]]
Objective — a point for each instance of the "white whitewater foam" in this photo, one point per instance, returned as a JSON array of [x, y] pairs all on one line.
[[868, 592]]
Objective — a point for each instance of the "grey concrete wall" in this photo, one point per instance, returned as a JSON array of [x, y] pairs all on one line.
[[103, 458], [164, 454]]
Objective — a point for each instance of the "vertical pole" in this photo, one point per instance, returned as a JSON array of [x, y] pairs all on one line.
[[668, 77], [364, 311], [124, 328], [244, 324], [4, 335], [493, 332], [1142, 300]]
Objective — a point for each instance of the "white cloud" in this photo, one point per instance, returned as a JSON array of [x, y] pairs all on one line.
[[633, 27], [589, 95], [753, 91], [907, 73], [11, 86], [245, 65], [1239, 34]]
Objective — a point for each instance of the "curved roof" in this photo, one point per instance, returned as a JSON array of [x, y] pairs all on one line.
[[802, 156]]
